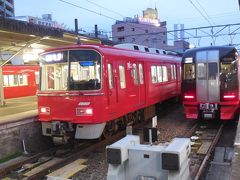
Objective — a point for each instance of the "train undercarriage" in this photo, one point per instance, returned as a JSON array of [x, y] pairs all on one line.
[[63, 132]]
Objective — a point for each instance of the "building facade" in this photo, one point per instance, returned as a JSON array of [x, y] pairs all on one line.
[[147, 31], [6, 8]]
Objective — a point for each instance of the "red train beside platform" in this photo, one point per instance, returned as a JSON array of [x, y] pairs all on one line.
[[86, 90], [20, 80]]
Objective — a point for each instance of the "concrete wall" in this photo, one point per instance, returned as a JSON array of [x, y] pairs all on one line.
[[11, 136]]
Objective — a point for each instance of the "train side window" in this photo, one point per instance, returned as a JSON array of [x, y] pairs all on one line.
[[154, 74], [135, 75], [173, 72], [5, 81], [165, 73], [159, 74], [188, 71], [110, 76], [201, 71], [140, 74], [13, 80], [23, 81], [122, 76]]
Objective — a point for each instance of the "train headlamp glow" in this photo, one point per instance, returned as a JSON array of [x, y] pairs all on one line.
[[84, 111], [44, 110]]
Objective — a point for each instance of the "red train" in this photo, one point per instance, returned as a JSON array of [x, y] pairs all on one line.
[[87, 90], [20, 80], [210, 84]]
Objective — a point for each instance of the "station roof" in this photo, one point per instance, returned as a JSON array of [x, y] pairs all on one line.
[[15, 35]]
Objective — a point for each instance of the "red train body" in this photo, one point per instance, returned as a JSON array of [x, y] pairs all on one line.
[[210, 84], [20, 80], [85, 88]]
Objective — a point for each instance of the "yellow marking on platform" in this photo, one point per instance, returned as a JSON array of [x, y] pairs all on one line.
[[204, 147], [69, 170], [42, 166]]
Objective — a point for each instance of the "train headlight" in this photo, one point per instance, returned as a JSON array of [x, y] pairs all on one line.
[[84, 111], [45, 110]]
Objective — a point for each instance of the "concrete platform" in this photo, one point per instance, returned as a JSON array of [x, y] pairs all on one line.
[[235, 172], [18, 108]]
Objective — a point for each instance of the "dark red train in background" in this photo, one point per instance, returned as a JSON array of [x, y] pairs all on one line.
[[20, 80], [90, 90], [210, 84]]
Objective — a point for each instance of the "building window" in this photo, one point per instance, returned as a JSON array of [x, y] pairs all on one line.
[[164, 42], [120, 29], [121, 39], [122, 76], [146, 31], [133, 29]]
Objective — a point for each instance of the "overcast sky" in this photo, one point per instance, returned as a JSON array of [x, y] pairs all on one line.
[[173, 11]]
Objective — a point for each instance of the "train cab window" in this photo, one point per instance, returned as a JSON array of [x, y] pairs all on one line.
[[110, 76], [188, 71], [165, 73], [135, 74], [71, 70], [140, 74], [212, 71], [201, 71], [159, 74], [122, 76], [154, 74]]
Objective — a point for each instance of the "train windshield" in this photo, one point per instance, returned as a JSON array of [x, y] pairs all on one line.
[[71, 70]]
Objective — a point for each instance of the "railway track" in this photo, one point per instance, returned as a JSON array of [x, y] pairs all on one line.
[[207, 136], [204, 139]]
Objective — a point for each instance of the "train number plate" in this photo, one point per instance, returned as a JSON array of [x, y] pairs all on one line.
[[208, 106]]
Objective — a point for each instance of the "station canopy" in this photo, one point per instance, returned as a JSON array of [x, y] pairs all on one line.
[[16, 36]]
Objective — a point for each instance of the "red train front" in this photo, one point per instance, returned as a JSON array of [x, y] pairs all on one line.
[[85, 87], [210, 84]]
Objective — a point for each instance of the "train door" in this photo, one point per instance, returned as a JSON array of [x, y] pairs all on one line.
[[142, 87], [112, 89], [207, 65], [138, 87]]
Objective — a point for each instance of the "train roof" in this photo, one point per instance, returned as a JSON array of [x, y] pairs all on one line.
[[226, 48], [115, 51]]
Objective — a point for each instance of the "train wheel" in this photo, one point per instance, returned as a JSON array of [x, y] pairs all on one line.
[[109, 129]]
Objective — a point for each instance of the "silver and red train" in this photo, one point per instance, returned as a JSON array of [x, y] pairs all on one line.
[[210, 83], [90, 90], [20, 80]]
